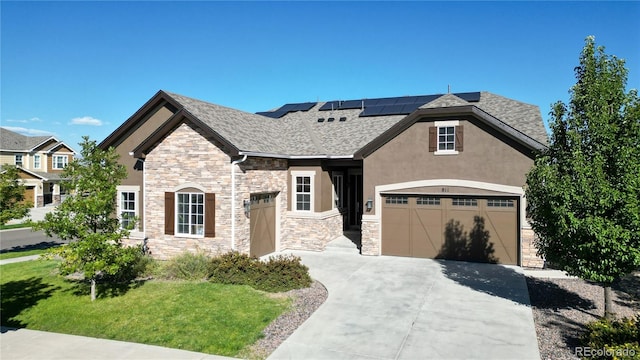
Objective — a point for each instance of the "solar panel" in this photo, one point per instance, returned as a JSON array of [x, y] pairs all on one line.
[[287, 108], [372, 111], [469, 96]]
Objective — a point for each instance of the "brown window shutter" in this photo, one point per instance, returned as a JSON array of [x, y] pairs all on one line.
[[209, 215], [169, 213], [459, 138], [433, 138]]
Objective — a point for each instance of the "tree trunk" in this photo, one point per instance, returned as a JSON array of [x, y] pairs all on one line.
[[608, 303], [93, 289]]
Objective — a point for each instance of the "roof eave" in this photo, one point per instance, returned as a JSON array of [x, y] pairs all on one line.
[[293, 157], [178, 118], [159, 99]]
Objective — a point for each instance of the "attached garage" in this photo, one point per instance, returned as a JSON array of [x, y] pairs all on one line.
[[468, 228], [262, 224]]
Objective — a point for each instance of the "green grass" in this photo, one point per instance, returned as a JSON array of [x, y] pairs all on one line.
[[15, 254], [15, 226], [196, 316]]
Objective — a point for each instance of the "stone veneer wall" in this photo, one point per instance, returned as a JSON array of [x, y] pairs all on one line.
[[184, 157], [311, 233], [371, 238], [259, 175], [527, 246]]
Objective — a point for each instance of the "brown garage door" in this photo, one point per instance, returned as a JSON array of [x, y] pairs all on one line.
[[454, 228], [262, 224], [29, 195]]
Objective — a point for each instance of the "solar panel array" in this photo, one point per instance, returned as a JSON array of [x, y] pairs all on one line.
[[370, 107], [287, 108]]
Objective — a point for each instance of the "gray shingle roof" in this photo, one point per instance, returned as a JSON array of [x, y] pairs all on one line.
[[301, 134], [10, 140]]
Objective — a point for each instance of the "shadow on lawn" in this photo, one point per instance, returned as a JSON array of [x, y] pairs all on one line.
[[104, 289], [20, 295]]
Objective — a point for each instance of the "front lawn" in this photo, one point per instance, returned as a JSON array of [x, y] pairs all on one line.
[[20, 253], [191, 315]]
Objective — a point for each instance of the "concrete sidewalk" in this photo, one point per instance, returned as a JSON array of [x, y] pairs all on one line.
[[18, 344]]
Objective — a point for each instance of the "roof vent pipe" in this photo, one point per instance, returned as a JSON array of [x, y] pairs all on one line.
[[233, 200]]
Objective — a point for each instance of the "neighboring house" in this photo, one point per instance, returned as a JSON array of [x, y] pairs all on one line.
[[41, 160], [436, 176]]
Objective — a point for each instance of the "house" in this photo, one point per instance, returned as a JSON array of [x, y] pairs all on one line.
[[437, 176], [41, 160]]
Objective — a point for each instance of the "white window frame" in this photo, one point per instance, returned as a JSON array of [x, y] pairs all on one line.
[[37, 161], [337, 178], [294, 193], [446, 124], [199, 233], [137, 201], [54, 161], [16, 162]]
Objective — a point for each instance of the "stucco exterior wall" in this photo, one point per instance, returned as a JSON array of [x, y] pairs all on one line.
[[406, 158]]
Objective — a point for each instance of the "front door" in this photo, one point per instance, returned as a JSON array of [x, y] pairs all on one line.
[[355, 198]]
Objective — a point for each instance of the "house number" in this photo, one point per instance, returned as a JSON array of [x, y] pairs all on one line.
[[445, 189]]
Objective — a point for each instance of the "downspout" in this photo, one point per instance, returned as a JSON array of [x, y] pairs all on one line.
[[233, 200]]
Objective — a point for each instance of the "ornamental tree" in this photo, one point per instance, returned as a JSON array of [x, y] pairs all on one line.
[[12, 204], [87, 217], [583, 192]]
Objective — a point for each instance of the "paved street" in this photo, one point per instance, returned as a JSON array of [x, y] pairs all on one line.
[[17, 239]]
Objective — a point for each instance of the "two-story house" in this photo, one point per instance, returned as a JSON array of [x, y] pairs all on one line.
[[436, 176], [41, 160]]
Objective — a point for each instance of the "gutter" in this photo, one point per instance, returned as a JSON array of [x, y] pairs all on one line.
[[233, 200], [293, 157]]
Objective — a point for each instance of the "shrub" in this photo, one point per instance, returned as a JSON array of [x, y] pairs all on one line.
[[132, 263], [279, 273], [619, 339], [187, 266], [283, 273], [234, 268]]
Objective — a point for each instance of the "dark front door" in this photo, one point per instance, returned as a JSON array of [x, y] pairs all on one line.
[[355, 199]]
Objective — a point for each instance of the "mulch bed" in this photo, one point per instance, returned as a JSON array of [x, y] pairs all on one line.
[[562, 307]]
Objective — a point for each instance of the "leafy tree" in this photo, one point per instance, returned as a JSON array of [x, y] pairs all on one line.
[[12, 204], [584, 190], [87, 218]]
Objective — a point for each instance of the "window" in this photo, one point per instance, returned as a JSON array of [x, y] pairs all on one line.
[[190, 213], [303, 193], [60, 161], [338, 190], [500, 203], [396, 200], [464, 202], [427, 200], [18, 160], [127, 209], [446, 138], [302, 190], [36, 161]]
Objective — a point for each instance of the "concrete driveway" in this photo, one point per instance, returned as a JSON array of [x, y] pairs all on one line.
[[406, 308]]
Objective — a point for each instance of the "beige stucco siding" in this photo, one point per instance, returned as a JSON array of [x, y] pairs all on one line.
[[406, 158]]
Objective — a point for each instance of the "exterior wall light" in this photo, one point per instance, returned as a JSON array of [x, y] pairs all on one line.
[[369, 204], [247, 207]]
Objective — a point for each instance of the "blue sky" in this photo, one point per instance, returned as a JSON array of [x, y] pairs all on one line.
[[82, 68]]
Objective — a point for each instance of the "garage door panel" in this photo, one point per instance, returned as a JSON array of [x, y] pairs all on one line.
[[262, 237], [395, 233], [462, 228], [426, 232]]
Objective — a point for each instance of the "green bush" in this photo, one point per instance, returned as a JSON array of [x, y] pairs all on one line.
[[279, 273], [283, 273], [619, 339], [234, 268], [187, 266], [132, 263]]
